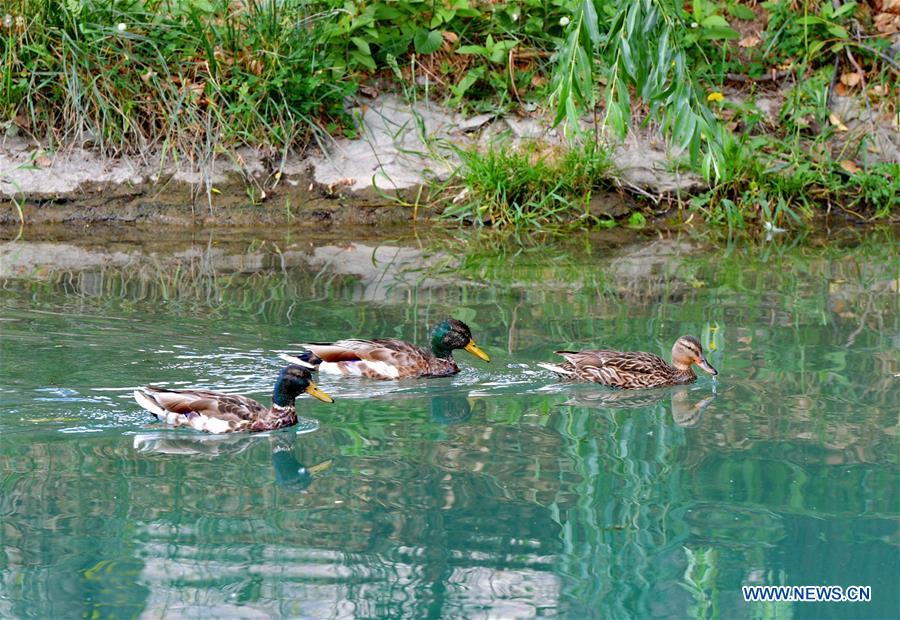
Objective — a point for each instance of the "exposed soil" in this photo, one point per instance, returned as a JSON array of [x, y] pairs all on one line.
[[379, 178]]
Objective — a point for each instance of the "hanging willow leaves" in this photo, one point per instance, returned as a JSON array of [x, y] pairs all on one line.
[[638, 51]]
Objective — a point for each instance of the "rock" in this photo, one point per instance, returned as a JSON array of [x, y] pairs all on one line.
[[608, 204], [643, 165], [474, 122], [880, 131], [398, 148]]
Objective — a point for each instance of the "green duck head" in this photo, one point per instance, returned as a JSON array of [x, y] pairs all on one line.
[[453, 334], [292, 381]]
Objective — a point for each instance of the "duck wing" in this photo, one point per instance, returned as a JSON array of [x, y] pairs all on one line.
[[201, 409], [385, 358], [617, 368]]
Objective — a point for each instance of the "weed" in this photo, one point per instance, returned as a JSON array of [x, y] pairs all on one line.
[[533, 186], [188, 78]]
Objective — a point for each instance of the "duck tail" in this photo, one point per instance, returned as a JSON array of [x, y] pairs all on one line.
[[559, 370], [147, 401], [305, 358]]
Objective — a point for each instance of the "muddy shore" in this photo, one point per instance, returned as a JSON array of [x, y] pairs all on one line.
[[379, 178]]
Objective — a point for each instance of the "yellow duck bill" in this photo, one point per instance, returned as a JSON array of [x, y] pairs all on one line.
[[315, 392], [476, 351]]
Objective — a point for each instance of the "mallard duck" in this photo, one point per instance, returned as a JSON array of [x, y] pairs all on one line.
[[215, 412], [634, 370], [392, 359]]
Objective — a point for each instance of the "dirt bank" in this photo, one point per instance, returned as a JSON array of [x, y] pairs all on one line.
[[377, 178]]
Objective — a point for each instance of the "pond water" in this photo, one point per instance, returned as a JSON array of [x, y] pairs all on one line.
[[495, 493]]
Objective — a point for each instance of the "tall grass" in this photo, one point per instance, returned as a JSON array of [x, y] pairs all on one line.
[[188, 78]]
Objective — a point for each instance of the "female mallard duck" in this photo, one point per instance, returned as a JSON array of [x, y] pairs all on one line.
[[392, 359], [634, 370], [215, 412]]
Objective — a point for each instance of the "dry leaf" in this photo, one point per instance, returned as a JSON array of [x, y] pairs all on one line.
[[749, 41], [880, 89], [836, 121], [332, 189], [745, 339], [841, 90], [850, 166], [42, 161], [450, 37], [891, 6], [368, 91], [851, 79], [887, 23]]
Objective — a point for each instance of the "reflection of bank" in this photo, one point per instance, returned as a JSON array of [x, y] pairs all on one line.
[[686, 410], [290, 473]]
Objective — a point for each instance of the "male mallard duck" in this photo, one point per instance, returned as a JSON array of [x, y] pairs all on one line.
[[215, 412], [634, 370], [392, 359]]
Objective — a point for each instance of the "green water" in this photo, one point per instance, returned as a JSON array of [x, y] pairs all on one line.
[[494, 493]]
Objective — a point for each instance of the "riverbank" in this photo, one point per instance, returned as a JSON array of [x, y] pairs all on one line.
[[393, 172], [403, 167], [181, 127]]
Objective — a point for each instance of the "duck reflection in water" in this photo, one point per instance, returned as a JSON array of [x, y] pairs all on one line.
[[450, 409], [686, 411], [290, 473]]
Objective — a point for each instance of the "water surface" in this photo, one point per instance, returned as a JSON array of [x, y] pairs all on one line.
[[494, 493]]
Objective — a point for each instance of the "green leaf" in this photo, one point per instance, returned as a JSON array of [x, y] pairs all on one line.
[[838, 31], [459, 90], [627, 60], [501, 51], [697, 9], [741, 11], [844, 9], [387, 13], [718, 33], [473, 49], [631, 20], [427, 42], [637, 220], [616, 26], [362, 45], [469, 78], [714, 21], [591, 21], [363, 59], [816, 46]]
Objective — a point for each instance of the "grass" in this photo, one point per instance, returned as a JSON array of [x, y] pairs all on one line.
[[804, 165], [187, 79], [534, 186]]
